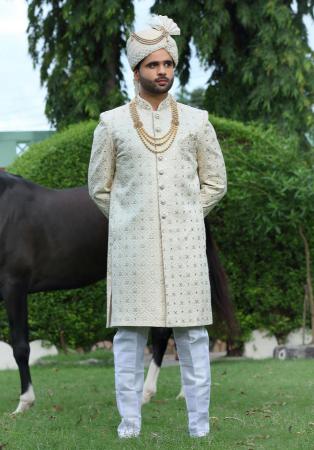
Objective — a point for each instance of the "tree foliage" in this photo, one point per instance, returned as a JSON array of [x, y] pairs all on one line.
[[194, 98], [78, 44], [262, 65]]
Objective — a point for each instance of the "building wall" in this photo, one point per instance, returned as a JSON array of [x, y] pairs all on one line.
[[14, 143]]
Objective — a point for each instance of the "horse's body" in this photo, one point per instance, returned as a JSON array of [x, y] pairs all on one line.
[[44, 240], [57, 239]]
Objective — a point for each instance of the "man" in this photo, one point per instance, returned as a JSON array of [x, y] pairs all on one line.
[[156, 170]]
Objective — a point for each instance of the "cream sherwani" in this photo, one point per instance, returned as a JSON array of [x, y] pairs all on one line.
[[157, 270]]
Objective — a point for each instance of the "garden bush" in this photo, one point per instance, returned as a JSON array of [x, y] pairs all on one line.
[[256, 227], [270, 196]]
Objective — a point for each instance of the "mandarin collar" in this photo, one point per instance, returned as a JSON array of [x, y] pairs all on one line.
[[142, 103]]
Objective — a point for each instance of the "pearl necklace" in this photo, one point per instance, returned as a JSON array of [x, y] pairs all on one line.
[[161, 144]]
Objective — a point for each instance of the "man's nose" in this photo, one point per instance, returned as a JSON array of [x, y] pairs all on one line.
[[161, 69]]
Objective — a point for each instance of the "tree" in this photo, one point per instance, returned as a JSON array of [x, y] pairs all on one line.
[[263, 67], [194, 98], [77, 45]]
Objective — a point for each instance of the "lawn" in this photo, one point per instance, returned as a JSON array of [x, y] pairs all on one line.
[[255, 405]]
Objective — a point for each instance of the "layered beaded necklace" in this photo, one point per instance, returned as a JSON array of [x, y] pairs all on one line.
[[156, 144]]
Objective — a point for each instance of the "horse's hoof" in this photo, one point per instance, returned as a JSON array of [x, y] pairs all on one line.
[[22, 407], [27, 400], [147, 396], [180, 395]]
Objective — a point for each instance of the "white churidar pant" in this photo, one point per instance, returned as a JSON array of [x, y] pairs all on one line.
[[193, 350]]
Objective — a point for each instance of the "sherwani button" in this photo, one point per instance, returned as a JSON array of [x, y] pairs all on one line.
[[157, 116], [158, 129], [160, 158], [161, 172], [163, 216], [163, 202], [162, 186]]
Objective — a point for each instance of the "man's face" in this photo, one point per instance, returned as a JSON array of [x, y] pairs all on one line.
[[156, 72]]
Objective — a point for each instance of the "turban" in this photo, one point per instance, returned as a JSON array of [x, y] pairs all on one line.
[[144, 42]]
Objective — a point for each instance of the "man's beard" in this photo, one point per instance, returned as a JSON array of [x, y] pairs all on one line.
[[153, 88]]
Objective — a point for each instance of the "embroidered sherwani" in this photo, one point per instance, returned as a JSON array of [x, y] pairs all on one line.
[[157, 270]]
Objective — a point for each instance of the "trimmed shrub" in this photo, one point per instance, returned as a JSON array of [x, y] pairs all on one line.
[[255, 226], [270, 196]]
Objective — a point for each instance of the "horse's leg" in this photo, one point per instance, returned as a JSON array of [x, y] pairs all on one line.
[[15, 297], [160, 337]]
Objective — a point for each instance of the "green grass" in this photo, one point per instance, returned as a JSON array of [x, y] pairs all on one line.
[[73, 358], [255, 405]]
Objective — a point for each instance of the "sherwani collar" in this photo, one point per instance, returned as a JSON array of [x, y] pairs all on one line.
[[144, 104]]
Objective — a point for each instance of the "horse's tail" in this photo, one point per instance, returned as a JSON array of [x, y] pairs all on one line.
[[221, 298]]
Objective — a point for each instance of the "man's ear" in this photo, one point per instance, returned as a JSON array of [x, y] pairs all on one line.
[[136, 74]]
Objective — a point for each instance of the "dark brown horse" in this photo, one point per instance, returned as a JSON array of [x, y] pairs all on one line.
[[57, 239]]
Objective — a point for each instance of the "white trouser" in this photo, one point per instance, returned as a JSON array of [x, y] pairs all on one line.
[[193, 349]]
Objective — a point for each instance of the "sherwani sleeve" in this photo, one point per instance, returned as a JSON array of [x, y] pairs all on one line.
[[101, 166], [211, 167]]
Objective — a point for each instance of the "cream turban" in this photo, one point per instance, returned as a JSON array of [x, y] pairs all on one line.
[[143, 43]]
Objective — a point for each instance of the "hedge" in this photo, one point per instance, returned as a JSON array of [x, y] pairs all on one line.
[[256, 234]]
